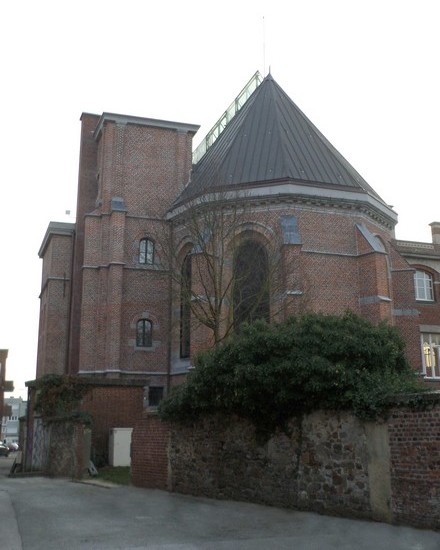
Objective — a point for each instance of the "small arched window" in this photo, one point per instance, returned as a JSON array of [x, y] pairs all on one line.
[[146, 252], [423, 285], [144, 333]]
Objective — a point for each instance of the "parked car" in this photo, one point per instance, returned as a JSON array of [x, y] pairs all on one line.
[[13, 446], [4, 451]]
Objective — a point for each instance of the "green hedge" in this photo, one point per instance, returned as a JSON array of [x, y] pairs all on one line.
[[271, 372]]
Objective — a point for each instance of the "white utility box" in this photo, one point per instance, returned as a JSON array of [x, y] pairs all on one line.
[[119, 447]]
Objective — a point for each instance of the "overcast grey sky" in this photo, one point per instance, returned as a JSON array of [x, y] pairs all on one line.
[[365, 72]]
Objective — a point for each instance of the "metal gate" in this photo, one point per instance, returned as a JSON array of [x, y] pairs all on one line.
[[40, 445]]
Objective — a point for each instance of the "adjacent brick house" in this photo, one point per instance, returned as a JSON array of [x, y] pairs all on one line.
[[110, 310]]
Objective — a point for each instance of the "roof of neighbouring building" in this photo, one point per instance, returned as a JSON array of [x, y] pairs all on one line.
[[416, 249], [269, 141]]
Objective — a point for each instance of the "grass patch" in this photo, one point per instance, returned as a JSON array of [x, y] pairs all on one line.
[[115, 474]]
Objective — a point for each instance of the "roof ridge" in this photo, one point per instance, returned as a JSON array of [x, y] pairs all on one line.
[[278, 125]]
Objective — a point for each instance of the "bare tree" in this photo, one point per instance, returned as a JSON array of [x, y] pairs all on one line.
[[224, 268]]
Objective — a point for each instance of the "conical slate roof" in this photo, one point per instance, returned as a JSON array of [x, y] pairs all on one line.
[[269, 141]]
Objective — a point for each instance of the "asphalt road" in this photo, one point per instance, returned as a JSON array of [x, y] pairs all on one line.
[[40, 513]]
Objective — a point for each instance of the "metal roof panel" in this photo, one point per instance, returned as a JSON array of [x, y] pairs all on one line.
[[271, 139]]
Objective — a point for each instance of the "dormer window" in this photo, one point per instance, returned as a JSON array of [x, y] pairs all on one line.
[[146, 252], [424, 287]]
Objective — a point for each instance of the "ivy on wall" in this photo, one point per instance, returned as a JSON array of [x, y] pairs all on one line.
[[60, 396]]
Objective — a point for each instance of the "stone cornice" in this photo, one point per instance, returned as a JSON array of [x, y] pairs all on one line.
[[286, 193], [140, 121]]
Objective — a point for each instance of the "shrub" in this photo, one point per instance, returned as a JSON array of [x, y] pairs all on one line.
[[269, 373]]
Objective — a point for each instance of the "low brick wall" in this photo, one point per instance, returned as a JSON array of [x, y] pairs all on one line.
[[415, 466], [149, 453], [113, 403], [329, 463]]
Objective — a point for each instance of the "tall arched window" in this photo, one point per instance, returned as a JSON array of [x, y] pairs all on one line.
[[424, 286], [144, 333], [251, 283], [146, 252], [185, 308]]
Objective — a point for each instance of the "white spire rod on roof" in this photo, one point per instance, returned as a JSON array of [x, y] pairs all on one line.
[[264, 46]]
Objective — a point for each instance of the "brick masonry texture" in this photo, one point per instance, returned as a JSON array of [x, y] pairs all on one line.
[[327, 463], [415, 466], [55, 306], [144, 167], [149, 452], [88, 317], [111, 406], [94, 290]]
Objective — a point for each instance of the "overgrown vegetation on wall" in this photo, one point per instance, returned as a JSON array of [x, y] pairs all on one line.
[[271, 372], [60, 396]]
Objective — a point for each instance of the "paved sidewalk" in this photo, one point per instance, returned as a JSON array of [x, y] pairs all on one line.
[[39, 513], [10, 536]]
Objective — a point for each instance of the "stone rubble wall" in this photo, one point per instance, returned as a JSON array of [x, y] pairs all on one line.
[[322, 465], [329, 463]]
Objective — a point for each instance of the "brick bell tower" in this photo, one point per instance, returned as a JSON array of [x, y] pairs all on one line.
[[136, 168], [99, 283]]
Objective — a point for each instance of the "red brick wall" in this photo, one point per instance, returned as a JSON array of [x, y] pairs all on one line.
[[149, 453], [146, 167], [334, 265], [405, 308], [112, 407], [430, 311], [55, 299], [415, 466], [86, 200]]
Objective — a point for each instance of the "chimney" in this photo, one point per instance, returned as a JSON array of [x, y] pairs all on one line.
[[435, 229]]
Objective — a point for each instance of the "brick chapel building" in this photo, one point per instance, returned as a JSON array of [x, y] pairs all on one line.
[[110, 309]]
